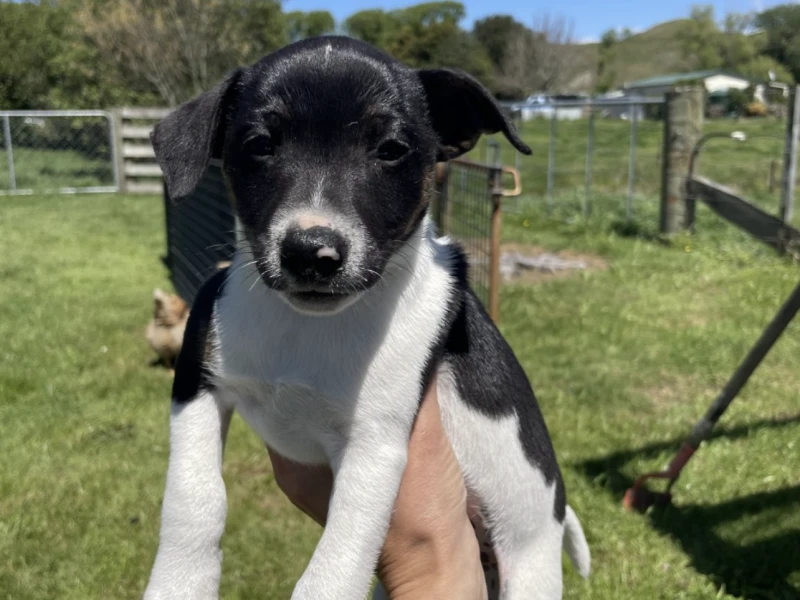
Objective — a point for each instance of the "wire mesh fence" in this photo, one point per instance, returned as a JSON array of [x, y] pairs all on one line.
[[604, 159], [57, 152], [466, 216], [468, 209], [589, 156]]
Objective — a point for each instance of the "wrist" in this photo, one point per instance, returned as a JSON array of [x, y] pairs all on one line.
[[440, 566]]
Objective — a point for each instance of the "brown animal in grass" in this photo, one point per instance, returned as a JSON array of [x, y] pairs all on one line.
[[165, 331]]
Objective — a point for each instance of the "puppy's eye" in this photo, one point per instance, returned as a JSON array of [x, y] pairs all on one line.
[[391, 151], [260, 146]]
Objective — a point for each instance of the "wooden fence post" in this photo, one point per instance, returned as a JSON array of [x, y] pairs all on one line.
[[683, 125], [790, 156]]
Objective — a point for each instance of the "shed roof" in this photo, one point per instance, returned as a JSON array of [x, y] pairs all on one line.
[[673, 78]]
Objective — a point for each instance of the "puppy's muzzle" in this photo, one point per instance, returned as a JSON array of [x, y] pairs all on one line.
[[313, 256]]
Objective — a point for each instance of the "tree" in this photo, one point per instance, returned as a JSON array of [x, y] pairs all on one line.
[[301, 25], [182, 47], [373, 26], [48, 63], [605, 61], [541, 58], [782, 28], [29, 42], [422, 28], [701, 39], [424, 35], [732, 47], [494, 33]]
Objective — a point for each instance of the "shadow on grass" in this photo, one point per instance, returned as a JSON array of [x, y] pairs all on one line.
[[637, 229], [759, 570]]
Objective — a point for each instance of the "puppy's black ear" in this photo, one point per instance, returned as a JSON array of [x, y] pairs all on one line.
[[461, 110], [185, 141]]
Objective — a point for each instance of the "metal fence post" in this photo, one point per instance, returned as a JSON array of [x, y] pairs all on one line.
[[495, 146], [119, 161], [496, 191], [114, 148], [790, 156], [589, 155], [632, 162], [551, 163], [12, 175]]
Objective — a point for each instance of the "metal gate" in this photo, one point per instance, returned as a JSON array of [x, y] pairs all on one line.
[[57, 151], [469, 209]]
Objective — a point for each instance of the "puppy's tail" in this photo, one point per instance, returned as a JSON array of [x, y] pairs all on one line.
[[575, 544]]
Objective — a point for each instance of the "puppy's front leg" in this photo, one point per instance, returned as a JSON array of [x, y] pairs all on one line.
[[367, 477], [189, 560]]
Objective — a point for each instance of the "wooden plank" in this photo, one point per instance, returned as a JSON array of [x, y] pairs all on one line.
[[137, 187], [145, 113], [142, 169], [137, 151], [136, 132], [758, 223]]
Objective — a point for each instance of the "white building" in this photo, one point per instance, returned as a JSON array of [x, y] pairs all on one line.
[[717, 83]]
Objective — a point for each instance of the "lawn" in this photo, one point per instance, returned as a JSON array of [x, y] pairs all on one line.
[[624, 360], [51, 170]]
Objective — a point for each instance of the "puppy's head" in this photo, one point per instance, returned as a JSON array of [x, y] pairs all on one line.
[[329, 148]]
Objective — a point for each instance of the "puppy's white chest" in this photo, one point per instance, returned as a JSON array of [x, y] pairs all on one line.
[[306, 384], [294, 419], [301, 382]]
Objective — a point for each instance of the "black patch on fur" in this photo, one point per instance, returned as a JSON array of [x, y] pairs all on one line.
[[459, 270], [462, 110], [187, 138], [490, 379], [191, 369]]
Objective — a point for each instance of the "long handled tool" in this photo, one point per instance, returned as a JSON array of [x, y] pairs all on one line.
[[639, 497]]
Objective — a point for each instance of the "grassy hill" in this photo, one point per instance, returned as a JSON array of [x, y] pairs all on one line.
[[652, 52]]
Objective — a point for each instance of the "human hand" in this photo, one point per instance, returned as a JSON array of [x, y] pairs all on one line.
[[431, 550]]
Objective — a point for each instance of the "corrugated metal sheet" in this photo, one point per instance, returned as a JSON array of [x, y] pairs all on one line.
[[675, 78], [200, 234]]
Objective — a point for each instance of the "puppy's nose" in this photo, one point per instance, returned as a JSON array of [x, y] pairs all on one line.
[[313, 255]]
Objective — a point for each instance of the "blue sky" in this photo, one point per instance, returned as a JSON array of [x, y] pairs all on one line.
[[591, 17]]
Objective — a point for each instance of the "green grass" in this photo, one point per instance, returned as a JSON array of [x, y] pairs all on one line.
[[743, 166], [623, 361], [52, 170]]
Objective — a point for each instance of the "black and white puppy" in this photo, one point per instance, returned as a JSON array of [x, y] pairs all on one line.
[[327, 327]]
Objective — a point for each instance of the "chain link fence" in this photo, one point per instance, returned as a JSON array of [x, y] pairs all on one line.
[[57, 152]]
